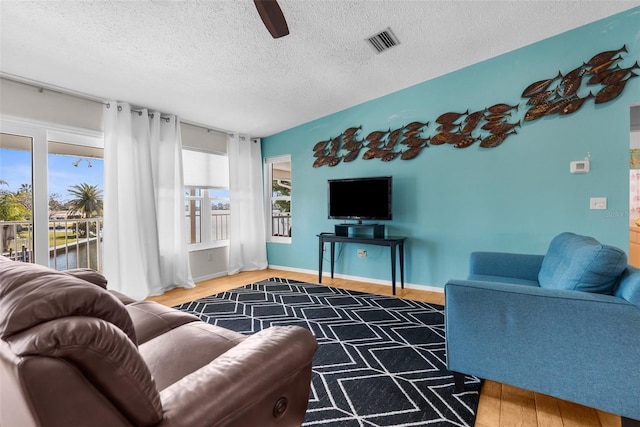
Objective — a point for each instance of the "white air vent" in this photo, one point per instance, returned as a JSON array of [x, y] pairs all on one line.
[[382, 41]]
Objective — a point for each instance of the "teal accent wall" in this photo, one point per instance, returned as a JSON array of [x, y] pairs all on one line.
[[450, 202]]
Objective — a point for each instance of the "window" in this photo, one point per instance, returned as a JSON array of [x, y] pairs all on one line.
[[207, 207], [16, 197], [75, 178], [51, 195], [278, 198]]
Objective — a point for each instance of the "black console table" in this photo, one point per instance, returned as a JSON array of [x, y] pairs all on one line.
[[392, 241]]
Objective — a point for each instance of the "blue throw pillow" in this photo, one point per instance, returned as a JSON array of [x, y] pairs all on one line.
[[581, 263]]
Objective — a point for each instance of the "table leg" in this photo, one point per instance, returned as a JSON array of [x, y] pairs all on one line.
[[333, 255], [402, 265], [393, 268], [320, 250]]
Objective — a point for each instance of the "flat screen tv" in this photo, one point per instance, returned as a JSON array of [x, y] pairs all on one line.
[[360, 198]]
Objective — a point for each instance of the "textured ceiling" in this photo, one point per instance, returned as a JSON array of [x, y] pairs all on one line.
[[214, 63]]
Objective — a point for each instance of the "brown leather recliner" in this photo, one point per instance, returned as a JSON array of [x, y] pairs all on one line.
[[75, 354]]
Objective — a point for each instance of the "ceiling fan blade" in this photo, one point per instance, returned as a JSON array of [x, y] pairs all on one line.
[[272, 17]]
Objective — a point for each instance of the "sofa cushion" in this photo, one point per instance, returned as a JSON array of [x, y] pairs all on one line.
[[89, 275], [31, 294], [629, 286], [581, 263]]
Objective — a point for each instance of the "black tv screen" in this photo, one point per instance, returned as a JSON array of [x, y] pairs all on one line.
[[360, 198]]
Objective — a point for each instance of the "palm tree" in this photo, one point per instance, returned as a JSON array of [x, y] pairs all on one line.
[[87, 199]]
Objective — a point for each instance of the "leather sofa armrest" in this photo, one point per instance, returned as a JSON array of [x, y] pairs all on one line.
[[505, 264], [270, 363]]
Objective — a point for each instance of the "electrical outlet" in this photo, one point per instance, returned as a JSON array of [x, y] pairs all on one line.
[[598, 203], [362, 253]]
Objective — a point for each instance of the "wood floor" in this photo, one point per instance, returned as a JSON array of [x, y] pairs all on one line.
[[501, 405]]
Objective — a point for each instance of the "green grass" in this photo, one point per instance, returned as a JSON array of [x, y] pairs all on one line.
[[60, 238]]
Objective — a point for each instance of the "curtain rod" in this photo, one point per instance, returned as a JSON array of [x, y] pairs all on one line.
[[81, 95]]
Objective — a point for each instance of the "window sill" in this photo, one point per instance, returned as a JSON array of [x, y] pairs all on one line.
[[276, 239], [207, 245]]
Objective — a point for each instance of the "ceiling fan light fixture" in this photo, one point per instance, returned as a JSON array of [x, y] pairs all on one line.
[[272, 17]]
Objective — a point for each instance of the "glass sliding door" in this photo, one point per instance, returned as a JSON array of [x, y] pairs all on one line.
[[75, 186], [16, 197]]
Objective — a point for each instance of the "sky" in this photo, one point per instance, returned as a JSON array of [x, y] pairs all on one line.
[[15, 169]]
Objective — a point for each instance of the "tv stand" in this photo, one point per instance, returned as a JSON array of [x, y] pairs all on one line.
[[395, 243], [356, 230]]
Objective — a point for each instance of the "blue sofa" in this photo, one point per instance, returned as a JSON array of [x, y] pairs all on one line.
[[565, 324]]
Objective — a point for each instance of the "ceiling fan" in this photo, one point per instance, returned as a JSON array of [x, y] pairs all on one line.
[[272, 17]]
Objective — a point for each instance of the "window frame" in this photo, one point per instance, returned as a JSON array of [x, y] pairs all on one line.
[[269, 199], [41, 133], [206, 227]]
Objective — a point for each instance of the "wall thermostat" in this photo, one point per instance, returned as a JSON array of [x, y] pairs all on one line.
[[579, 166]]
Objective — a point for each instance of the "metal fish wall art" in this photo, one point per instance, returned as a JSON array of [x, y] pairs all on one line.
[[539, 86], [564, 97], [602, 78], [611, 92], [605, 56]]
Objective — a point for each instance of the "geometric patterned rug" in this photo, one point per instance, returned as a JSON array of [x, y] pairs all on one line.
[[380, 360]]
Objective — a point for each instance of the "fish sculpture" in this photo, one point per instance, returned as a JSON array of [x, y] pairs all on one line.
[[390, 155], [320, 146], [352, 131], [351, 156], [410, 153], [558, 106], [609, 93], [322, 161], [472, 120], [374, 143], [572, 81], [465, 142], [371, 153], [335, 146], [604, 66], [447, 127], [574, 105], [441, 138], [334, 160], [416, 125], [412, 133], [555, 95], [377, 135], [493, 141], [450, 117], [538, 111], [614, 76], [352, 145], [497, 116], [393, 138], [605, 56], [541, 97], [539, 86], [502, 127], [502, 108], [415, 142], [597, 78]]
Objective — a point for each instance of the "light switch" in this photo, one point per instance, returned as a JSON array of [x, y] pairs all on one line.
[[598, 203]]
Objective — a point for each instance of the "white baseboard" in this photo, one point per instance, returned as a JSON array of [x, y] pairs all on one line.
[[210, 276], [361, 279]]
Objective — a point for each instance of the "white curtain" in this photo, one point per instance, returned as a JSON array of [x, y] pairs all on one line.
[[145, 248], [247, 239]]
